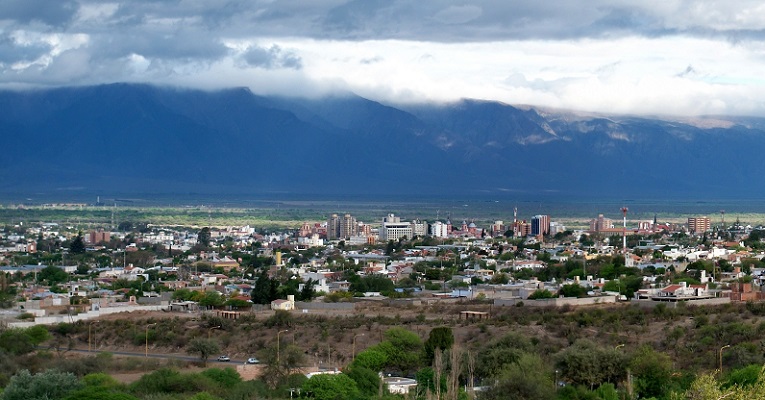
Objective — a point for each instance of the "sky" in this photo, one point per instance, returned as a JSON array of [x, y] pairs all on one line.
[[650, 57]]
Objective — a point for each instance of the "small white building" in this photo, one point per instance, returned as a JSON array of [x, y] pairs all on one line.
[[399, 385], [285, 305]]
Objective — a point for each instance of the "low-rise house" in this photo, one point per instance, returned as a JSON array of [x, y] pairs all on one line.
[[677, 292], [683, 290], [285, 305], [399, 385], [530, 264]]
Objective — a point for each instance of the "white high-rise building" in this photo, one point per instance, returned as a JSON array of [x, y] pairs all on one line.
[[393, 229], [439, 229]]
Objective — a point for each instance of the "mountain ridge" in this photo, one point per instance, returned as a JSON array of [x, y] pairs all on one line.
[[137, 137]]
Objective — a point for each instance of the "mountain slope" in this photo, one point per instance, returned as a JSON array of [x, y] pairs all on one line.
[[131, 138]]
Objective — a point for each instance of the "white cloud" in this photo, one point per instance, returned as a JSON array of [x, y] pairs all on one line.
[[651, 56]]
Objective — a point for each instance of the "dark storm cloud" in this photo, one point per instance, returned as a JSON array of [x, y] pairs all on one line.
[[489, 20], [550, 50], [181, 44], [54, 13]]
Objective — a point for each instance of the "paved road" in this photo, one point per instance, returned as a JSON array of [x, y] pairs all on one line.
[[150, 355]]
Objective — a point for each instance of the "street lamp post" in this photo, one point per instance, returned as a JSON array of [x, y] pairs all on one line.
[[209, 331], [278, 345], [90, 326], [353, 354], [146, 349], [555, 383], [721, 351]]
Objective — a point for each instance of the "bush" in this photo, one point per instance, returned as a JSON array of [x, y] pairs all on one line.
[[45, 385], [281, 319], [167, 380], [226, 378], [541, 294]]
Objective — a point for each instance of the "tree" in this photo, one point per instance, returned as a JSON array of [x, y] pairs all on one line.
[[746, 376], [264, 290], [78, 245], [390, 248], [370, 358], [541, 294], [527, 378], [280, 362], [183, 294], [211, 298], [494, 358], [440, 338], [204, 236], [307, 293], [203, 347], [572, 290], [367, 380], [402, 350], [52, 275], [706, 387], [652, 371], [586, 363], [331, 387], [46, 385], [19, 341], [372, 283], [227, 377]]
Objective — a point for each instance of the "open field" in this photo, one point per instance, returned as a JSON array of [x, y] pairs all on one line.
[[293, 214]]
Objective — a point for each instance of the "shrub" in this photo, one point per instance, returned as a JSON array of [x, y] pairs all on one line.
[[541, 294], [166, 380], [45, 385]]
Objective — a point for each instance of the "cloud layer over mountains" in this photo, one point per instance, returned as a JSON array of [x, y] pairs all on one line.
[[646, 57]]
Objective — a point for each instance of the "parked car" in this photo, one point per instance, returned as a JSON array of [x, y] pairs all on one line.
[[253, 360], [223, 358]]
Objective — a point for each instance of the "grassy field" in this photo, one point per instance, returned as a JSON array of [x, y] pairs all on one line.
[[291, 214]]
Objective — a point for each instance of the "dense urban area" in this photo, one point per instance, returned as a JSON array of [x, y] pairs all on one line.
[[339, 308]]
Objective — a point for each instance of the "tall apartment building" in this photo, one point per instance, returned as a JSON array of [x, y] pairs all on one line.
[[419, 228], [557, 227], [498, 228], [393, 229], [601, 224], [333, 227], [521, 228], [349, 227], [95, 237], [540, 225], [699, 224], [439, 229], [341, 228]]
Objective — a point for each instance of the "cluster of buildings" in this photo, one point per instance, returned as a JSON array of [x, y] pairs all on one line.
[[353, 232], [480, 260]]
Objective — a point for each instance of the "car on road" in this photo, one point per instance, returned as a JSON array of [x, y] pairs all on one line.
[[253, 360], [224, 358]]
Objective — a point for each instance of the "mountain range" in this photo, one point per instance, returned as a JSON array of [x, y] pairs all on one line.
[[135, 138]]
